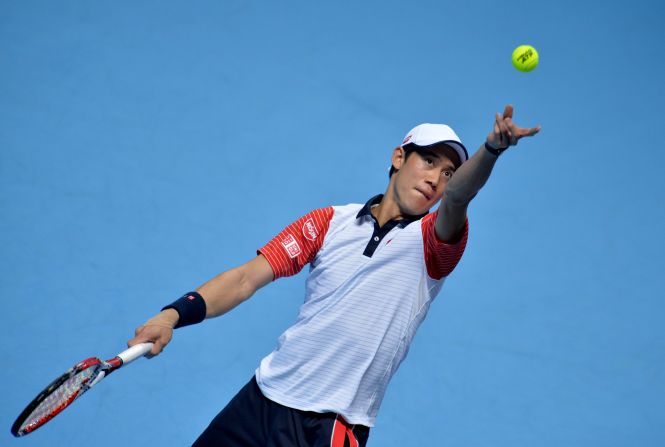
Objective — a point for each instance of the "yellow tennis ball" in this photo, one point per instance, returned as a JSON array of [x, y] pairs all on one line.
[[525, 58]]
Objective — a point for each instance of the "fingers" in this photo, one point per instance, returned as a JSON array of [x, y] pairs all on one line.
[[497, 137], [505, 132], [519, 132], [157, 349], [136, 339], [497, 129], [494, 137], [505, 135], [527, 132], [515, 134], [160, 336], [531, 132]]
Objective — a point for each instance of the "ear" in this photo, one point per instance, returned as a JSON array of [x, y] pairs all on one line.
[[398, 158]]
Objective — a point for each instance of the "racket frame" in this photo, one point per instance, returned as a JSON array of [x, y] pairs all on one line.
[[101, 370]]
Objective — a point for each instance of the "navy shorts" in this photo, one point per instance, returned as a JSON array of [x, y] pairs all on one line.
[[251, 419]]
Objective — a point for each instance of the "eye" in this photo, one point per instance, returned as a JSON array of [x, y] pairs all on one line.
[[429, 161], [447, 174]]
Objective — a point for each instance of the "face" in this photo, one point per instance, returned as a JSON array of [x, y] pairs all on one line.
[[420, 180]]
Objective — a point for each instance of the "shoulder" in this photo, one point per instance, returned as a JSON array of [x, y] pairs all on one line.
[[350, 208], [441, 257]]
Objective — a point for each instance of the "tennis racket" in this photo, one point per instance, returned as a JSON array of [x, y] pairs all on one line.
[[71, 385]]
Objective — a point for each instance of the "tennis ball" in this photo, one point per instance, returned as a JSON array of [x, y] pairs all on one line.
[[525, 58]]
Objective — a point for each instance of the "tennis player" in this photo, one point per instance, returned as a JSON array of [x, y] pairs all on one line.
[[374, 270]]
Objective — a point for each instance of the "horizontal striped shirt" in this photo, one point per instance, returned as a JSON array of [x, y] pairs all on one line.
[[368, 290]]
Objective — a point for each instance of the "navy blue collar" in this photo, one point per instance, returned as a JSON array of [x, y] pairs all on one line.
[[365, 211]]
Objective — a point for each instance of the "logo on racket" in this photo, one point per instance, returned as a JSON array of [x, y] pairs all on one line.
[[291, 246]]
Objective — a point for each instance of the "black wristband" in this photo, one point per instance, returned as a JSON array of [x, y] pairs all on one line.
[[191, 307], [495, 151]]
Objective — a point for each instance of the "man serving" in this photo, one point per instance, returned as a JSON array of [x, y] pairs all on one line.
[[374, 270]]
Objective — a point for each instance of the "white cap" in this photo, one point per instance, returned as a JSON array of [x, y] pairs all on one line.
[[425, 135]]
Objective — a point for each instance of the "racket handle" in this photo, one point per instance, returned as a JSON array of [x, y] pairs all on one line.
[[136, 351]]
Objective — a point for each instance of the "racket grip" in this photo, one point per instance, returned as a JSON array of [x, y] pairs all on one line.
[[136, 351]]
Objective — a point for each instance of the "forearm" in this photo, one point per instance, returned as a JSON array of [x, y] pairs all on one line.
[[225, 291], [217, 296], [469, 178], [220, 294]]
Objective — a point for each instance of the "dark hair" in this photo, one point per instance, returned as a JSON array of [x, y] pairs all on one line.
[[408, 150], [425, 151]]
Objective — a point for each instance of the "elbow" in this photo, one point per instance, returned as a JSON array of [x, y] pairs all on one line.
[[455, 198], [246, 287]]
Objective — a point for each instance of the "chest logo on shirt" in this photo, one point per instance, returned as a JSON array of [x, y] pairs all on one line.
[[291, 246], [309, 230]]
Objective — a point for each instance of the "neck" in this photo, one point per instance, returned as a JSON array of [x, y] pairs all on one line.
[[388, 209]]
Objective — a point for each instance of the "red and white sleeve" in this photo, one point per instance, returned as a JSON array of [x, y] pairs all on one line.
[[298, 243], [441, 258]]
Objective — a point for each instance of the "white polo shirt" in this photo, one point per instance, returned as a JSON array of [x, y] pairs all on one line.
[[368, 290]]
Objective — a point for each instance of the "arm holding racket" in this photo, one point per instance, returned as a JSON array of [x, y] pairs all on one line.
[[220, 294]]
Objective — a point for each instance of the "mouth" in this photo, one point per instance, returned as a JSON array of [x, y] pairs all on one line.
[[427, 196]]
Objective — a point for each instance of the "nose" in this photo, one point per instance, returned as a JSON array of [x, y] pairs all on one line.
[[433, 180]]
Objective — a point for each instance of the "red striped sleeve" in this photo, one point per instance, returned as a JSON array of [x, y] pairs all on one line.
[[298, 243], [441, 257]]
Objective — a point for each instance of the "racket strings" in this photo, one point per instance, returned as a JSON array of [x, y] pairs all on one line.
[[58, 399]]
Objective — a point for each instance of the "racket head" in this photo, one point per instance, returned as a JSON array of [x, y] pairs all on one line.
[[57, 396]]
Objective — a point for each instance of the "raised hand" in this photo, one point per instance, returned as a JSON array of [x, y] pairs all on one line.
[[506, 133]]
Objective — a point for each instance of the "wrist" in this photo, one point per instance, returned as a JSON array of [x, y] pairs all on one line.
[[167, 318], [170, 316], [190, 309], [494, 150]]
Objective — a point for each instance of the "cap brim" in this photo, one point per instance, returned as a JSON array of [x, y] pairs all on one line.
[[453, 150]]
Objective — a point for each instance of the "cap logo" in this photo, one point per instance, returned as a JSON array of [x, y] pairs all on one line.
[[291, 246], [309, 230], [407, 139]]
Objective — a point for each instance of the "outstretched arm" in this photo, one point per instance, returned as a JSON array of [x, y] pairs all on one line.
[[227, 290], [472, 175], [221, 294]]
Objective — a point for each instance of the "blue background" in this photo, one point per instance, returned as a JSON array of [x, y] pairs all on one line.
[[147, 146]]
